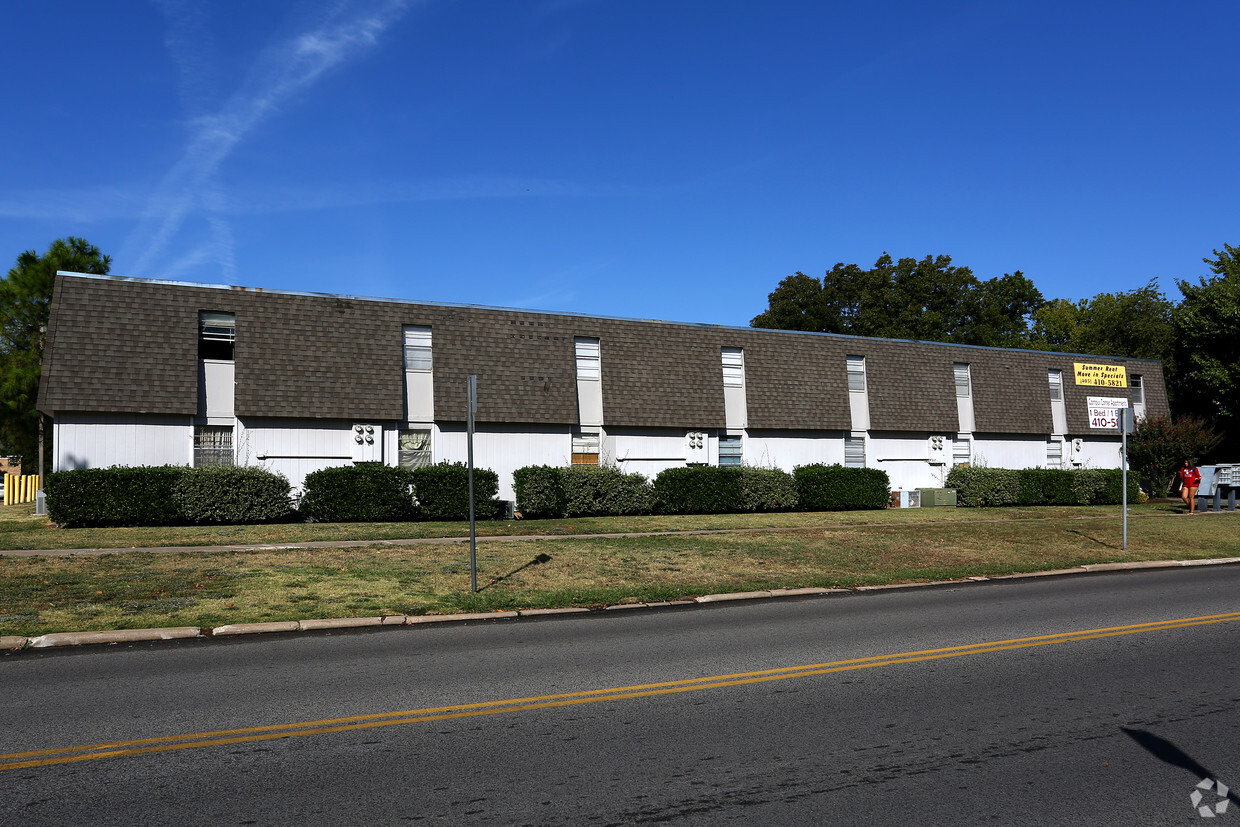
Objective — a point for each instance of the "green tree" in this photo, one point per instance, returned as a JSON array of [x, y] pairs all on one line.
[[1159, 445], [25, 295], [929, 299], [1207, 329], [1134, 323]]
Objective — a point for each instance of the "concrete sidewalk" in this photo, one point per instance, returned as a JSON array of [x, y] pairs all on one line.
[[62, 639]]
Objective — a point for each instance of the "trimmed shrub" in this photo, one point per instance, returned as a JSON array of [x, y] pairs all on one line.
[[359, 493], [228, 494], [983, 487], [767, 489], [836, 488], [442, 492], [1089, 485], [540, 491], [1046, 486], [1112, 490], [602, 491], [698, 489], [115, 496]]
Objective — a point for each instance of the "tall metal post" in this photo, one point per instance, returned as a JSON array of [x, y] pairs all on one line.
[[1126, 424], [472, 391], [40, 498]]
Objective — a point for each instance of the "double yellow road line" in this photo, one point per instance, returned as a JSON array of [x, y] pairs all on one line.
[[223, 737]]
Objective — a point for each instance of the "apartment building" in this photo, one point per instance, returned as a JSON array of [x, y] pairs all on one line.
[[148, 372]]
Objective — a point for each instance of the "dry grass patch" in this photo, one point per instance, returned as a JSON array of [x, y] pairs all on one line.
[[137, 589], [20, 529]]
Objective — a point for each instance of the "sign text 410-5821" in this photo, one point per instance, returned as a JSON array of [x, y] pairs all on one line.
[[1099, 375]]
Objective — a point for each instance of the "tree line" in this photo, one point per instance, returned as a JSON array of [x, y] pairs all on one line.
[[1197, 338]]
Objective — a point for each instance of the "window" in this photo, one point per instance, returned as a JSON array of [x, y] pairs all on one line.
[[1056, 380], [413, 448], [417, 349], [587, 359], [854, 452], [217, 333], [961, 371], [729, 450], [1138, 390], [962, 451], [213, 445], [733, 367], [856, 373], [585, 447], [1054, 453]]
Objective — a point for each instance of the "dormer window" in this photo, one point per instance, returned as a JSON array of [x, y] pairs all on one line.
[[217, 333]]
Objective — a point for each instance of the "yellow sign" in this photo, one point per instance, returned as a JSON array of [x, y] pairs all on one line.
[[1105, 376]]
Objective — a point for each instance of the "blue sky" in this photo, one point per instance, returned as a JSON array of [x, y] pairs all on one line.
[[669, 160]]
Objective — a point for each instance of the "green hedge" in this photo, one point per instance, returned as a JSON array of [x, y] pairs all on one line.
[[166, 495], [540, 491], [379, 493], [768, 489], [359, 493], [984, 487], [1045, 486], [115, 496], [836, 488], [602, 491], [586, 491], [227, 494], [699, 489], [442, 492]]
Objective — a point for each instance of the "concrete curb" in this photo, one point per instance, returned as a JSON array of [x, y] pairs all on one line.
[[60, 639], [112, 636]]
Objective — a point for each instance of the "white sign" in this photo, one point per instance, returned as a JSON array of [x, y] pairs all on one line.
[[1104, 412]]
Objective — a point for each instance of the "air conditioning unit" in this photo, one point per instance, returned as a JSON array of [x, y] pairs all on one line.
[[940, 447], [931, 497]]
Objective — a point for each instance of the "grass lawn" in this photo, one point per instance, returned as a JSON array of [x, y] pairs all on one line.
[[139, 589]]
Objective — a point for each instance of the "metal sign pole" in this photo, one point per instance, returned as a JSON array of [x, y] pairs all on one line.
[[1126, 423], [472, 389]]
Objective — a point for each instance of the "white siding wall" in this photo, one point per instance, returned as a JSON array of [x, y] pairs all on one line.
[[505, 449], [1098, 453], [103, 440], [650, 451], [294, 447], [787, 449], [906, 459], [1010, 451]]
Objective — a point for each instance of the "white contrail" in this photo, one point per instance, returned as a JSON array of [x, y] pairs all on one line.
[[289, 67]]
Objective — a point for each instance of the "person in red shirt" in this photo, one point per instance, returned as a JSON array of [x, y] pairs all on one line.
[[1190, 479]]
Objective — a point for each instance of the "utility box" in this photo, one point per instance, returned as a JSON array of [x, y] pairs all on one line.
[[367, 440], [931, 497], [906, 499], [697, 448]]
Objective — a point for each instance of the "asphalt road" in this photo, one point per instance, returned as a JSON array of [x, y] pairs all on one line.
[[948, 705]]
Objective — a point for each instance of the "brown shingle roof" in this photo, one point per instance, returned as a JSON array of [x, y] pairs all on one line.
[[129, 345]]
